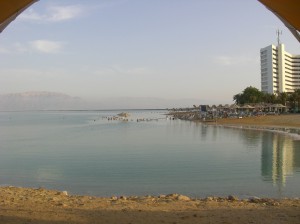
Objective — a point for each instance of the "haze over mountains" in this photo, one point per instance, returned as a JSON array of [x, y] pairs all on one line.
[[38, 101], [43, 100]]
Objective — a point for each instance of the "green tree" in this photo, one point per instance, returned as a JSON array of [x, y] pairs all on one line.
[[253, 95], [292, 98], [249, 95], [297, 99], [238, 98], [269, 98]]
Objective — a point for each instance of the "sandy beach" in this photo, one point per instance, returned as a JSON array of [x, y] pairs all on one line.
[[41, 206], [287, 121]]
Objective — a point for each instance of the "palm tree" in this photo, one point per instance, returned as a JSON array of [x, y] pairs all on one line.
[[292, 98], [297, 98], [282, 98], [269, 98]]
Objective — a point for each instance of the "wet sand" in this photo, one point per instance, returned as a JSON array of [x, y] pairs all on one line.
[[40, 206]]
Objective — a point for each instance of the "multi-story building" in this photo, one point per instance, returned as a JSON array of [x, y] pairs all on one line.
[[280, 70]]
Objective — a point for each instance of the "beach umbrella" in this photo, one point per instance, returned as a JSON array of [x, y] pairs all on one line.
[[260, 106], [278, 106], [10, 9], [247, 107], [288, 11], [234, 106], [226, 106]]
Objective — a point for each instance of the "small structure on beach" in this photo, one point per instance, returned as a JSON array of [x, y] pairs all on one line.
[[123, 114]]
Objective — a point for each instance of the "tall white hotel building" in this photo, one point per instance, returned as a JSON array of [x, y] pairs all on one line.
[[280, 70]]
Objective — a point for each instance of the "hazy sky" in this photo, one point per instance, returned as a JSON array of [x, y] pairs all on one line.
[[171, 49]]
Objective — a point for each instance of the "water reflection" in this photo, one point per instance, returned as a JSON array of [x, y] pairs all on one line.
[[279, 158], [251, 138], [203, 132], [86, 154]]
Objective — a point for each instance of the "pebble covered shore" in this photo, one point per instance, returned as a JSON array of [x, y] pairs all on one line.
[[25, 205]]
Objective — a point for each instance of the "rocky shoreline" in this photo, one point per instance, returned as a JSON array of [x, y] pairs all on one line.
[[26, 205], [13, 195]]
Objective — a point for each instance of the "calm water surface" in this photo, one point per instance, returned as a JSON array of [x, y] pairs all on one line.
[[84, 153]]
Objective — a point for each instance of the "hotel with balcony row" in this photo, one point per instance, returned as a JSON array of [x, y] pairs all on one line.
[[280, 70]]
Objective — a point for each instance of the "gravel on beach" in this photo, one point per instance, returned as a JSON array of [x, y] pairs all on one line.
[[41, 206]]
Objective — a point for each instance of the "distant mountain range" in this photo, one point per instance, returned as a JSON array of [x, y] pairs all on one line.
[[42, 100], [38, 101]]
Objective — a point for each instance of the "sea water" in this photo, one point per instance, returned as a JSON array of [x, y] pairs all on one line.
[[87, 152]]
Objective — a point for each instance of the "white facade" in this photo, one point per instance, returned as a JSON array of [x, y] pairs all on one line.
[[280, 70]]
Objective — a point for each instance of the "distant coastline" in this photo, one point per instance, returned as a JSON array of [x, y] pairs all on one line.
[[43, 100]]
